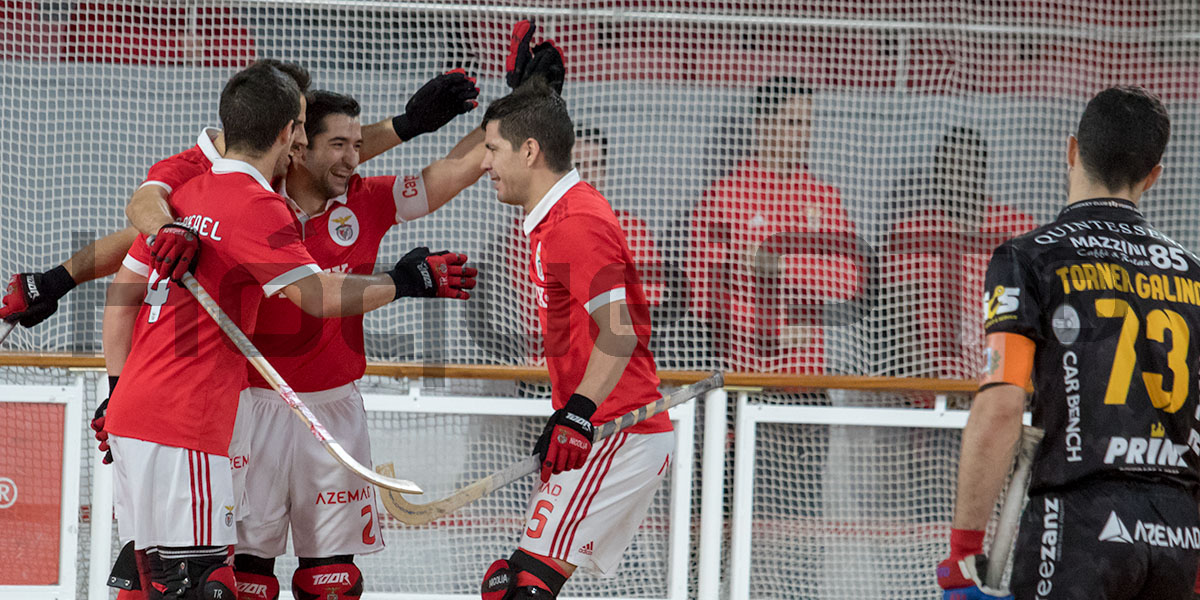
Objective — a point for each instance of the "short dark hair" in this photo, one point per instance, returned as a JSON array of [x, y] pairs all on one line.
[[536, 111], [774, 92], [321, 104], [298, 73], [1122, 135], [257, 103]]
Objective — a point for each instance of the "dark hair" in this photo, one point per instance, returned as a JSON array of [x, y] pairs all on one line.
[[322, 103], [1122, 135], [536, 111], [298, 73], [774, 92], [257, 103]]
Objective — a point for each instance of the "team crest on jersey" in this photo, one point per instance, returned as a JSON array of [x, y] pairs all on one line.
[[228, 516], [343, 226]]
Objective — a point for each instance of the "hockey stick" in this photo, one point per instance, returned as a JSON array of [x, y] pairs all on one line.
[[423, 514], [293, 401], [1010, 511], [8, 327]]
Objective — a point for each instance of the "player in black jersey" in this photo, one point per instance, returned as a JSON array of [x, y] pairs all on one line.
[[1104, 312]]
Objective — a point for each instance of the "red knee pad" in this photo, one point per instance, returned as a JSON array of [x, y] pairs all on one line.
[[498, 581], [218, 582], [131, 595], [255, 586], [342, 581]]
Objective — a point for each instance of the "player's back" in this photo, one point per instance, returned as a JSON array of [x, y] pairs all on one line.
[[180, 384], [1112, 306]]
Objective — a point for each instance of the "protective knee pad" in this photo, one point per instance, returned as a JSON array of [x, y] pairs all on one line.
[[124, 574], [336, 581], [124, 594], [190, 577], [255, 578], [501, 581]]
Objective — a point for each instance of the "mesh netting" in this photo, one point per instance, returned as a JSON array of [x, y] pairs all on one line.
[[837, 220]]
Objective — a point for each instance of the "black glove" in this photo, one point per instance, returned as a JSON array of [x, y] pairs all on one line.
[[544, 60], [422, 274], [98, 421], [437, 103], [32, 297], [566, 439]]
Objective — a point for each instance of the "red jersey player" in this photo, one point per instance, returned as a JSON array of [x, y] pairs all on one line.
[[171, 441], [343, 219], [772, 246], [936, 258], [596, 326]]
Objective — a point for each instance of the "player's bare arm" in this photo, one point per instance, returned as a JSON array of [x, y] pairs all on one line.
[[33, 297], [122, 303], [419, 274], [148, 209], [989, 443], [615, 343], [458, 170], [432, 106]]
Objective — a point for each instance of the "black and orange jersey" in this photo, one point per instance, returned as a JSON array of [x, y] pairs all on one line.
[[1112, 307]]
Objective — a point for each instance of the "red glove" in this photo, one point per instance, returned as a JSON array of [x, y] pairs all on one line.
[[566, 440], [962, 575], [423, 274], [174, 250]]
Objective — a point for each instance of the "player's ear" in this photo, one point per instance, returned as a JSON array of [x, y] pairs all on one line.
[[1155, 173], [531, 150], [1072, 151], [284, 136]]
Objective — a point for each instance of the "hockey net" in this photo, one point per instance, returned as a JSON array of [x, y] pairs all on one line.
[[936, 129]]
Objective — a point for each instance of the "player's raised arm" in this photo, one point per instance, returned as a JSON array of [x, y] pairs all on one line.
[[32, 297], [419, 274], [432, 106], [459, 169]]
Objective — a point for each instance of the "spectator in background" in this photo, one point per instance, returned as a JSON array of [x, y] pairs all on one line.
[[772, 249], [944, 228], [157, 34]]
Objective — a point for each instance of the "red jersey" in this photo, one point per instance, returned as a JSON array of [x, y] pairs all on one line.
[[768, 253], [180, 383], [171, 173], [933, 273], [581, 262], [314, 354]]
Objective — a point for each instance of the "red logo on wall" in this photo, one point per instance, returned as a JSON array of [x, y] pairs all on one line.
[[31, 465]]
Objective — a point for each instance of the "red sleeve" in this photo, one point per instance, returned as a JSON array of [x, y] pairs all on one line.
[[171, 173], [596, 277], [268, 245], [380, 199]]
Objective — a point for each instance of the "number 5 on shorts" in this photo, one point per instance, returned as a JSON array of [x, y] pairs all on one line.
[[536, 532]]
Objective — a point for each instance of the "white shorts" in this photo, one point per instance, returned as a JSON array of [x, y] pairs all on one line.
[[588, 516], [291, 481], [168, 496]]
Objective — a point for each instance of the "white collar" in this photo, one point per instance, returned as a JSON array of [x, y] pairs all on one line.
[[300, 214], [205, 141], [548, 201], [222, 166]]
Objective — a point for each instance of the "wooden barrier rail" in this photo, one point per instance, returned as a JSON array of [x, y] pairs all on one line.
[[524, 373]]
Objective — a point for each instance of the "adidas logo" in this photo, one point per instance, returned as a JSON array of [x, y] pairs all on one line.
[[1115, 531], [586, 549]]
